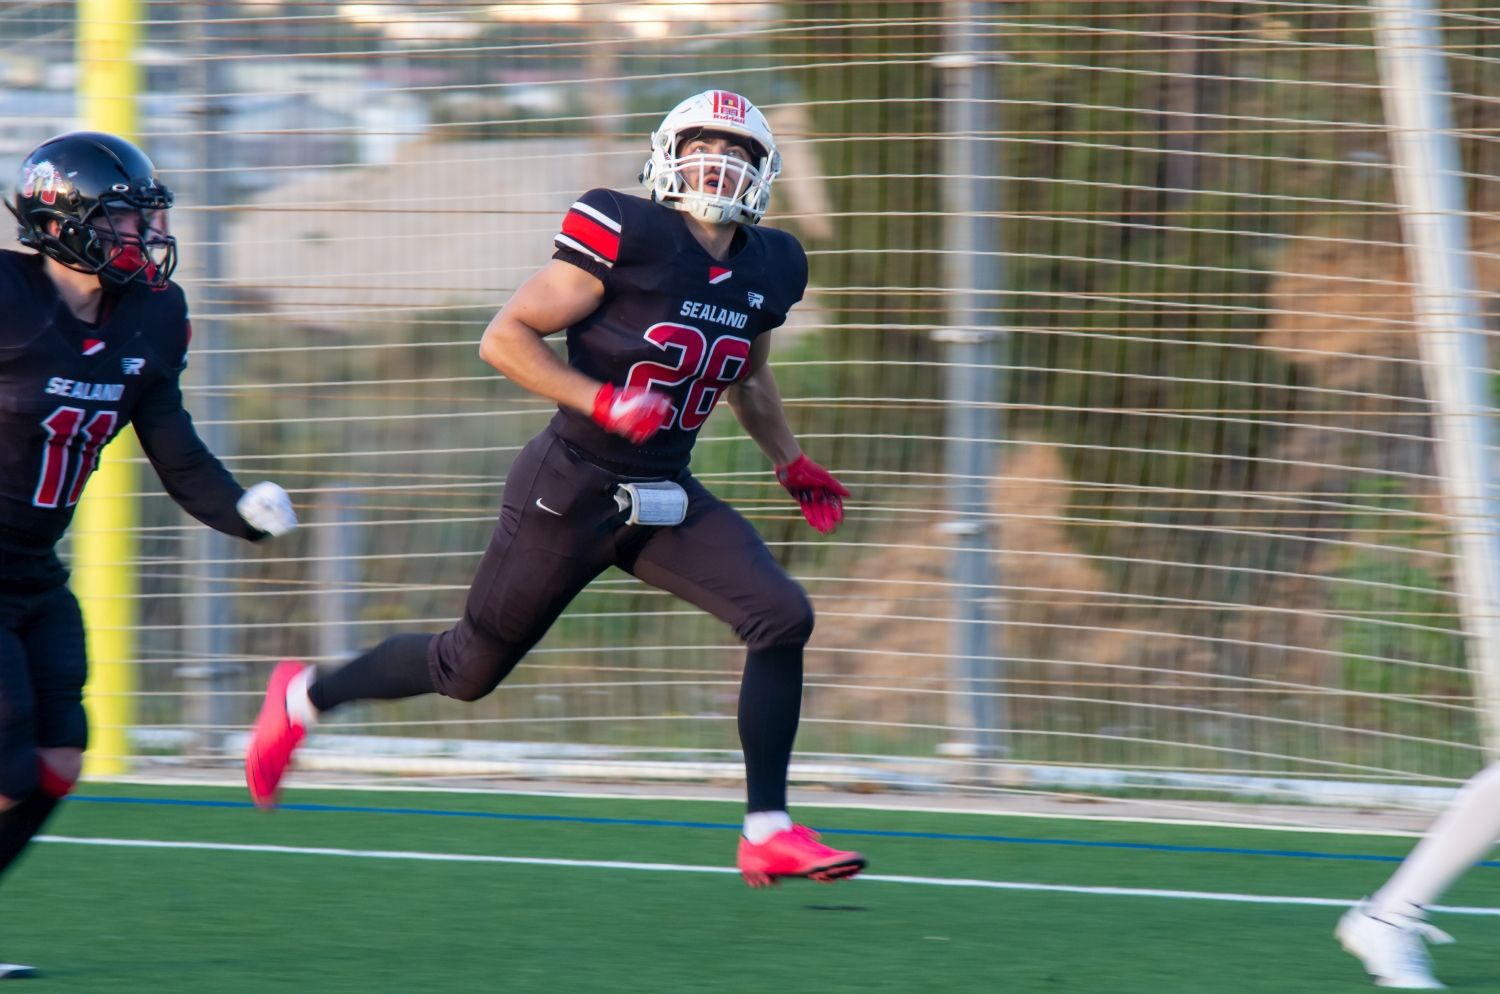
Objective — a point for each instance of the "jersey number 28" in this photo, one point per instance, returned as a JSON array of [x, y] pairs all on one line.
[[710, 369]]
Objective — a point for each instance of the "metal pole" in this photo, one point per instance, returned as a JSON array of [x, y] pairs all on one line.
[[1450, 324], [209, 675], [336, 545], [973, 385]]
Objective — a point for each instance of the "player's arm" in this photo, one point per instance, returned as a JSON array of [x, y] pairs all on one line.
[[556, 297], [194, 477], [756, 402]]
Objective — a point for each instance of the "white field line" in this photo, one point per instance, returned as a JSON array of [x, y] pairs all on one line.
[[595, 864]]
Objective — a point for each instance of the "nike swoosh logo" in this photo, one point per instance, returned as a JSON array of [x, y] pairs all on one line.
[[549, 510]]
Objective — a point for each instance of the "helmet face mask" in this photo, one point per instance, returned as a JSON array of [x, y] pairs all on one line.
[[92, 202], [718, 188]]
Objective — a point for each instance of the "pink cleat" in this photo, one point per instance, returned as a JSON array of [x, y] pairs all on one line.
[[274, 739], [795, 852]]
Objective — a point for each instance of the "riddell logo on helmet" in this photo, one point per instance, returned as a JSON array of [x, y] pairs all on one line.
[[41, 182], [729, 107]]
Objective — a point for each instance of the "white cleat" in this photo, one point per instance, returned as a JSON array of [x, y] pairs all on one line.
[[1393, 947], [15, 971]]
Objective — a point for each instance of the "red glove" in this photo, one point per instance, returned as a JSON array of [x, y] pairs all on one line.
[[630, 411], [821, 496]]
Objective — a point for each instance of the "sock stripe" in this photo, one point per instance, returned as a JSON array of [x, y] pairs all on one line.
[[52, 783]]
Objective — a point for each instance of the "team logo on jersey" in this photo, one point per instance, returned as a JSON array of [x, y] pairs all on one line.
[[80, 390], [42, 182], [92, 346], [718, 274], [713, 312], [132, 366], [756, 299], [729, 107]]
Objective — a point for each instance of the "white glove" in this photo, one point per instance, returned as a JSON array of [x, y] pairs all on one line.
[[267, 507]]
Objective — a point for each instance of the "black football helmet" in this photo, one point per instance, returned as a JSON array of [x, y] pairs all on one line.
[[109, 209]]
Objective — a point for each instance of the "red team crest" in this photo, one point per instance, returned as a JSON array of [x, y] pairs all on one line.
[[41, 182], [729, 107]]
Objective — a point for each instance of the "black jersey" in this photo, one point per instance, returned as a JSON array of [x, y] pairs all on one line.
[[673, 319], [67, 388]]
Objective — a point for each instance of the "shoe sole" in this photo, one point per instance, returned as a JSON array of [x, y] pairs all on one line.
[[1436, 985], [829, 873]]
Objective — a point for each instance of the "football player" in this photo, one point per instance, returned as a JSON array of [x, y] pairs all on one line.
[[668, 304], [94, 337]]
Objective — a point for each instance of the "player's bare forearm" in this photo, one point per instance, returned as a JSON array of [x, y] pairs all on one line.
[[756, 402], [520, 353], [557, 296]]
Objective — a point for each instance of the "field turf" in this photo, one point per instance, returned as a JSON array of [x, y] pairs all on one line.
[[364, 913]]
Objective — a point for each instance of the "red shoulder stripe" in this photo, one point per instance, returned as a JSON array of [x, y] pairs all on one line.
[[592, 235]]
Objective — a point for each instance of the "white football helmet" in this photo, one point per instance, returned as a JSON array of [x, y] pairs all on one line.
[[743, 189]]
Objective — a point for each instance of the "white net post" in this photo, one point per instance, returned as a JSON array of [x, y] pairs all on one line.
[[1451, 327]]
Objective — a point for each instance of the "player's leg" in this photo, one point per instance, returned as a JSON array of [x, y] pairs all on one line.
[[394, 669], [717, 561], [536, 563], [20, 777], [33, 780], [43, 667], [43, 728], [1388, 931]]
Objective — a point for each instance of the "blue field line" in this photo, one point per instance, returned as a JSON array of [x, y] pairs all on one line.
[[735, 826]]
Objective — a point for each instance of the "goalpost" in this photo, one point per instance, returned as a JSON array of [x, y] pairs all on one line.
[[1451, 328], [1208, 551]]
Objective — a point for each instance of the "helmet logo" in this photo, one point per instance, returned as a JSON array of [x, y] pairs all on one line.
[[728, 107], [41, 182]]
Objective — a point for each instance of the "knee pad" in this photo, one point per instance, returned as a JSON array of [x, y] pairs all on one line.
[[17, 749], [470, 663], [19, 774], [785, 620], [65, 726]]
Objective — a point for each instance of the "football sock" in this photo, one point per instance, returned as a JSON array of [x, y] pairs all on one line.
[[761, 825], [25, 818], [20, 822], [770, 703], [298, 707], [1457, 840], [394, 669]]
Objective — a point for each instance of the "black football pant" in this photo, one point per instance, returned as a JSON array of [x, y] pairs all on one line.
[[42, 671], [560, 528]]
